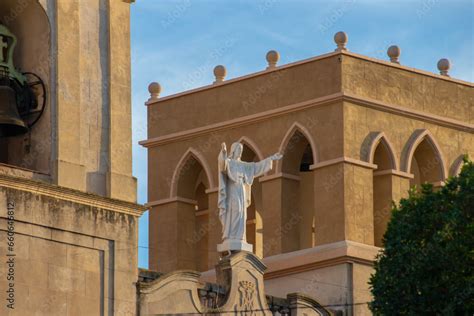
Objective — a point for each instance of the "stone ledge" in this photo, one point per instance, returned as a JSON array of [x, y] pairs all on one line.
[[15, 171], [320, 256], [316, 102], [313, 258], [71, 195], [309, 60]]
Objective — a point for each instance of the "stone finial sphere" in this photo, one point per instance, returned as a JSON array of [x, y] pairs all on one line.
[[340, 38], [272, 58], [394, 53], [155, 89], [220, 72], [443, 66]]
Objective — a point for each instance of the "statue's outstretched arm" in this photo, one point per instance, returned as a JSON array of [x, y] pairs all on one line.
[[276, 156]]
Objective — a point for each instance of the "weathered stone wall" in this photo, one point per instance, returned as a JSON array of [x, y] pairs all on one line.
[[71, 258], [81, 49]]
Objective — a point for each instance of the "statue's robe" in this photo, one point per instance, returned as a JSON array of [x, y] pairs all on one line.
[[235, 181]]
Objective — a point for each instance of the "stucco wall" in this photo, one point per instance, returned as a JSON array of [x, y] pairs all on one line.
[[70, 258]]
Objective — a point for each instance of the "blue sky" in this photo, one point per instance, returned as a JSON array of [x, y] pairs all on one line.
[[178, 43]]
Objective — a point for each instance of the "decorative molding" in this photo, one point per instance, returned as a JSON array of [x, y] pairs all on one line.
[[279, 175], [71, 195], [240, 121], [393, 173], [230, 81], [251, 221], [438, 184], [212, 190], [316, 265], [319, 257], [201, 213], [348, 160], [16, 171], [317, 102], [312, 59], [170, 200], [247, 291]]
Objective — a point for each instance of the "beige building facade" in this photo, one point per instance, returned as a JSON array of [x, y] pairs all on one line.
[[355, 133], [68, 212]]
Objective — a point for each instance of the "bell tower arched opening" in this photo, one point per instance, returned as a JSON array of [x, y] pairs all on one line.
[[299, 187], [426, 163], [191, 182], [385, 161], [30, 26]]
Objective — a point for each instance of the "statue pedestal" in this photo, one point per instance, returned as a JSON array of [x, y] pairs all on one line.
[[234, 245], [241, 274]]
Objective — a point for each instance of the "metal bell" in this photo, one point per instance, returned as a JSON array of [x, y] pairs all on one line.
[[11, 123]]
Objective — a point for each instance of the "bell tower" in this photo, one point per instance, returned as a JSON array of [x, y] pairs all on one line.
[[65, 115]]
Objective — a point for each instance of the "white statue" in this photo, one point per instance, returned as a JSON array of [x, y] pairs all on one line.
[[235, 181]]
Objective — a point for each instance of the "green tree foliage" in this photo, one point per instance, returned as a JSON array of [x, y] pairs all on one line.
[[427, 266]]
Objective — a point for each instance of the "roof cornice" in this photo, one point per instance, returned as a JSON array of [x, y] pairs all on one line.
[[308, 60], [317, 102]]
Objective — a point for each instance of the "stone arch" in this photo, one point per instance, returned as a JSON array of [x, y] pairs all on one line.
[[184, 165], [289, 139], [378, 150], [191, 180], [299, 154], [422, 157], [456, 166], [371, 145], [244, 140]]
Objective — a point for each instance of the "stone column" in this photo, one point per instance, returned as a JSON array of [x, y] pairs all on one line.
[[120, 182], [343, 201], [172, 235], [306, 206], [69, 170], [281, 217], [389, 185], [215, 229]]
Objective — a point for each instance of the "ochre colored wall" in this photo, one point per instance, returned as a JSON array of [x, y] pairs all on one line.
[[71, 258], [83, 141]]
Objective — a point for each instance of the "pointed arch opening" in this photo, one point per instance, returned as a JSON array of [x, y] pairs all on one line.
[[298, 182], [299, 151], [424, 160], [457, 166], [190, 181], [383, 157]]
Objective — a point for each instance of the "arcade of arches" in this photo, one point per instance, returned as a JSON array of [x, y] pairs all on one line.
[[199, 228]]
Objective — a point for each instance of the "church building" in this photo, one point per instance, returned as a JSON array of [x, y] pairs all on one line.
[[355, 133]]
